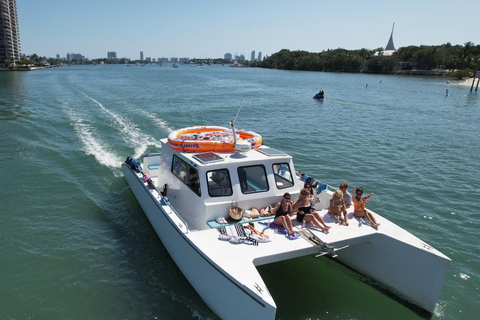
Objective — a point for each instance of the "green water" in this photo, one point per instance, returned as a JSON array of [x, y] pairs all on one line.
[[76, 245]]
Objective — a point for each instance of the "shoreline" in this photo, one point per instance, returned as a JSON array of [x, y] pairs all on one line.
[[23, 69], [466, 82]]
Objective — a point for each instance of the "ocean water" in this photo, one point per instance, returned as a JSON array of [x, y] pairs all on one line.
[[75, 244]]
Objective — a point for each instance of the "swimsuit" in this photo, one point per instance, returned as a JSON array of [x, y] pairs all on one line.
[[337, 208], [357, 205], [305, 210], [280, 211]]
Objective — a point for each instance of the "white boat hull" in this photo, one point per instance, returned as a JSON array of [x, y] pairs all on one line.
[[222, 293], [410, 272]]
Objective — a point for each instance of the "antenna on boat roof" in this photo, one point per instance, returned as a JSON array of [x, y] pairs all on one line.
[[238, 112], [241, 146]]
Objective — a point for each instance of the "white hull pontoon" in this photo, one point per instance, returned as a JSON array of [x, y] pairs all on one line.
[[225, 274]]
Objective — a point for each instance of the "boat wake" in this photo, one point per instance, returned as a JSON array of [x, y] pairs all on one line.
[[162, 124], [129, 131], [350, 104], [91, 145]]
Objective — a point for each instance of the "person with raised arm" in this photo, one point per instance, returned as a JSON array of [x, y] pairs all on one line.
[[359, 210]]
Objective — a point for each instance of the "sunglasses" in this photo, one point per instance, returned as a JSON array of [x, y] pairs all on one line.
[[308, 187], [286, 198], [359, 194]]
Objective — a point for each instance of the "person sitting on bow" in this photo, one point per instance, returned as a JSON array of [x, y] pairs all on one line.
[[306, 212], [359, 210], [283, 211], [337, 207]]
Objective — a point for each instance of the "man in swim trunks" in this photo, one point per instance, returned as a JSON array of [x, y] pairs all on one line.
[[347, 197]]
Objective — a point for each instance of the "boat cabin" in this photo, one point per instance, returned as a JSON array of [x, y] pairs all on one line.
[[202, 186]]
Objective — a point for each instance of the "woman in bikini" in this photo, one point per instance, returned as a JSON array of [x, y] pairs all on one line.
[[305, 211], [313, 199], [337, 207], [281, 210], [359, 210]]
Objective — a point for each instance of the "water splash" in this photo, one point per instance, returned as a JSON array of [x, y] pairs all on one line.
[[464, 276]]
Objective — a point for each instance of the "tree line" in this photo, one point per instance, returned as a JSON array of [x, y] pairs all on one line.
[[447, 57], [31, 60]]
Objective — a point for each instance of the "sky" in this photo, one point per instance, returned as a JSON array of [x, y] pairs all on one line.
[[211, 28]]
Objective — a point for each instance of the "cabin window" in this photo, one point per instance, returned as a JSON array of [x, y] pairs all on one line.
[[187, 174], [219, 183], [252, 179], [283, 175]]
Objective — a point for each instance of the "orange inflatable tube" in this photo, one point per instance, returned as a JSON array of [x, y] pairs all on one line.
[[209, 138]]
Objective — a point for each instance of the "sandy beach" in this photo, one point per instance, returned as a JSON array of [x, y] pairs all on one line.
[[466, 82]]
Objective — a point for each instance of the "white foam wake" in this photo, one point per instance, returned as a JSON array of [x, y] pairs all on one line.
[[162, 124], [130, 132], [91, 145], [158, 121]]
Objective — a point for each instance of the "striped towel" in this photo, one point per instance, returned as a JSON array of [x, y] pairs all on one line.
[[235, 234]]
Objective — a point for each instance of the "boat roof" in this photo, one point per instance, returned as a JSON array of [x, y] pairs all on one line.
[[208, 159]]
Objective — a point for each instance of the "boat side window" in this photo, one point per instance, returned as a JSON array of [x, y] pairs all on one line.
[[219, 183], [187, 174], [283, 175], [252, 179]]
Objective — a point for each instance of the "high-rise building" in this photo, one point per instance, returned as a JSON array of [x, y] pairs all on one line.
[[252, 56], [227, 56], [9, 33], [74, 56], [141, 55], [259, 56], [111, 55]]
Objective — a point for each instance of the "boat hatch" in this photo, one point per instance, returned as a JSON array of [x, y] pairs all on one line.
[[271, 152], [208, 157]]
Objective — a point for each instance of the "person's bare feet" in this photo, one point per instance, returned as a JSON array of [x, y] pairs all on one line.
[[334, 218]]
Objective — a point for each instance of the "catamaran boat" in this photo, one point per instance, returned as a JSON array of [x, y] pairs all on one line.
[[202, 173]]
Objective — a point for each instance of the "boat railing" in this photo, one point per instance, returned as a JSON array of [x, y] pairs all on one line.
[[164, 201], [330, 188]]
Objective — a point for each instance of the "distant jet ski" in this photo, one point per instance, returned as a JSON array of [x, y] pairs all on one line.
[[320, 95]]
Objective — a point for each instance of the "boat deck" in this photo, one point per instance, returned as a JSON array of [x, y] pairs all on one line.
[[282, 248], [239, 260]]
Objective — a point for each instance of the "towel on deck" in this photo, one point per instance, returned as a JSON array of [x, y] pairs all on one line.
[[236, 234], [282, 230]]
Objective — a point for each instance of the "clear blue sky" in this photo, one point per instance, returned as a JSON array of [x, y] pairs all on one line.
[[210, 28]]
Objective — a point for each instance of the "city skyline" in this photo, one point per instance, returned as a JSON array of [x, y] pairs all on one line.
[[185, 29]]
